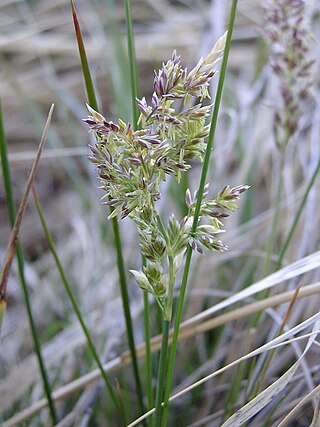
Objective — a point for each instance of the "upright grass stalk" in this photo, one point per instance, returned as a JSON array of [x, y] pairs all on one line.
[[162, 421], [135, 116], [161, 380], [147, 334], [84, 60], [132, 62], [146, 305], [75, 305], [12, 215], [116, 230]]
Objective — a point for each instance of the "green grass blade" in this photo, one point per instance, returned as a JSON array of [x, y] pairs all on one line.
[[148, 360], [3, 306], [162, 371], [118, 68], [12, 215], [84, 61], [22, 207], [74, 303], [132, 62], [115, 225], [135, 117], [197, 212], [126, 308]]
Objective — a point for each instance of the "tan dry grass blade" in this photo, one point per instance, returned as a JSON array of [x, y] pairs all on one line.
[[283, 339], [293, 412], [260, 401], [186, 332], [16, 227]]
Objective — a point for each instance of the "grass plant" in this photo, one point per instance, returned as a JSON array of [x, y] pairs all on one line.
[[210, 336]]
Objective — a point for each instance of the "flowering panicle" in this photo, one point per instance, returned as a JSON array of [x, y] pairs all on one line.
[[291, 61], [211, 213], [132, 164]]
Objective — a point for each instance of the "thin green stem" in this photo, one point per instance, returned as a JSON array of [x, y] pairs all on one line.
[[169, 302], [132, 62], [75, 305], [174, 344], [162, 229], [162, 371], [135, 116], [84, 61], [12, 215], [147, 334], [147, 337], [197, 213], [126, 309], [115, 225]]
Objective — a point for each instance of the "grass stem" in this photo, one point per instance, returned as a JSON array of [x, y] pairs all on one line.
[[132, 62], [116, 230], [197, 212], [74, 304], [148, 359], [19, 253], [162, 372], [135, 117]]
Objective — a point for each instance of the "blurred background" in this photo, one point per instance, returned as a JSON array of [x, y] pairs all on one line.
[[40, 65]]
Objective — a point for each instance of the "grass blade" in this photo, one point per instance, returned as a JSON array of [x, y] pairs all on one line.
[[16, 227], [84, 61], [74, 303], [146, 306], [12, 218], [116, 230], [132, 61]]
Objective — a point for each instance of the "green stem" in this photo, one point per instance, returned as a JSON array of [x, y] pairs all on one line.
[[174, 344], [147, 333], [162, 229], [147, 336], [75, 305], [162, 371], [168, 307], [135, 116], [12, 215], [117, 238], [126, 309], [84, 61], [197, 213], [132, 62]]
